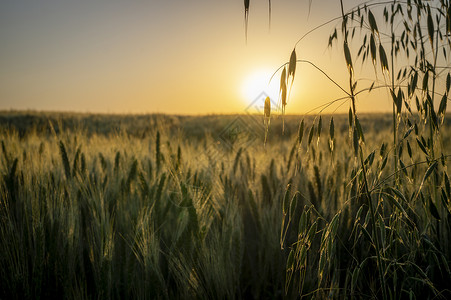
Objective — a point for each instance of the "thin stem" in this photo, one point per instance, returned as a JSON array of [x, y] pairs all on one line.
[[384, 180], [373, 221], [395, 122], [269, 17], [318, 68], [367, 3]]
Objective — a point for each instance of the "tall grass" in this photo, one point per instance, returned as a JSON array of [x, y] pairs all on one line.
[[389, 237], [90, 216]]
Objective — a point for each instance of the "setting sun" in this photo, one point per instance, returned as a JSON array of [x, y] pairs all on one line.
[[257, 83]]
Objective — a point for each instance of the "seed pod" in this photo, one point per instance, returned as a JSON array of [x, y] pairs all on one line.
[[284, 96], [267, 107], [283, 78], [292, 65]]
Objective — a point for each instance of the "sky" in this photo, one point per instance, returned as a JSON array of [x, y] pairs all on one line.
[[166, 56]]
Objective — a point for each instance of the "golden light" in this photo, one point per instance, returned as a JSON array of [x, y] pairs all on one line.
[[256, 87]]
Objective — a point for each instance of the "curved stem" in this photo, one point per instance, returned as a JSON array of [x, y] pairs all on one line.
[[318, 68], [423, 162], [367, 3], [326, 105]]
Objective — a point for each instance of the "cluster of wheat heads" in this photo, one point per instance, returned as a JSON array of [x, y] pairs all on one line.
[[92, 216], [390, 238], [118, 216]]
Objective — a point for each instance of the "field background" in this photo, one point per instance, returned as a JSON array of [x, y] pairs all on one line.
[[160, 206]]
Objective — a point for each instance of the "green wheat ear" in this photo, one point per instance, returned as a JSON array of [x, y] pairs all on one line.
[[5, 154], [117, 160], [132, 174], [157, 151], [76, 159], [65, 160]]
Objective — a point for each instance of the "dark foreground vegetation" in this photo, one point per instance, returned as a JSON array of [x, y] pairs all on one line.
[[119, 207]]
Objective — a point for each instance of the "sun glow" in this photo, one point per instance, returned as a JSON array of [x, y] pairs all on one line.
[[256, 87]]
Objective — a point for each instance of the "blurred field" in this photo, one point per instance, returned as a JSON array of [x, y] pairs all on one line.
[[157, 206], [24, 123]]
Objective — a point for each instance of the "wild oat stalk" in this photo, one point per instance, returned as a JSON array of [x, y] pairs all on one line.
[[246, 17]]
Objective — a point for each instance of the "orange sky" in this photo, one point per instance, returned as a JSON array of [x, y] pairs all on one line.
[[171, 56]]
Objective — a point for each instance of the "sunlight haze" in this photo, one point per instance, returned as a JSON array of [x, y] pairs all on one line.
[[170, 57]]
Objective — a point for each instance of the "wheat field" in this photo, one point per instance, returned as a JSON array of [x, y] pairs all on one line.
[[159, 209]]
